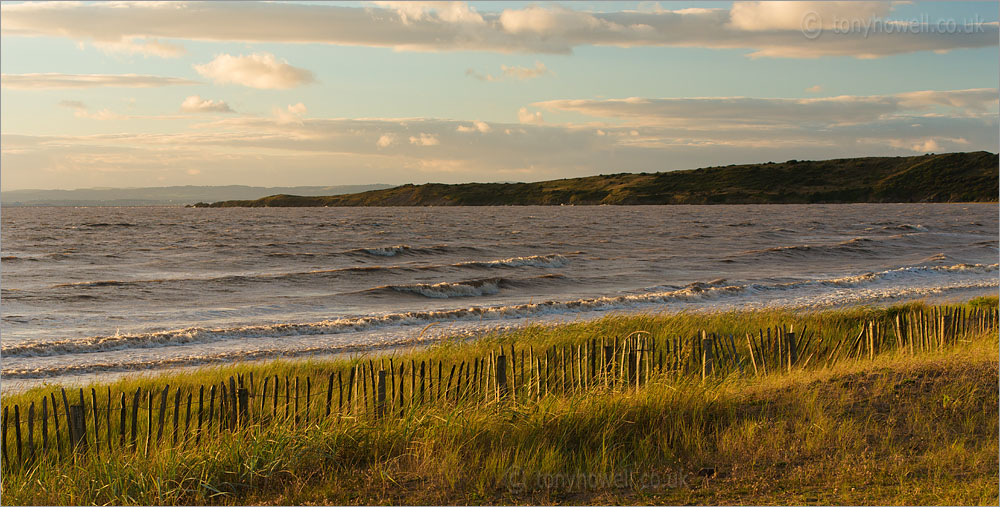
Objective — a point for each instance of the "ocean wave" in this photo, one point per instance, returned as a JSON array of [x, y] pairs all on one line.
[[859, 246], [714, 290], [540, 261], [465, 288], [905, 227]]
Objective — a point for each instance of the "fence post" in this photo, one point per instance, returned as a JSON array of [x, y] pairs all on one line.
[[380, 407], [17, 433], [121, 422], [97, 434], [177, 412], [244, 398], [707, 358], [308, 396], [793, 350], [135, 418], [45, 425], [31, 432], [69, 427], [55, 420], [502, 376], [6, 460], [77, 421], [187, 420], [163, 412], [329, 394]]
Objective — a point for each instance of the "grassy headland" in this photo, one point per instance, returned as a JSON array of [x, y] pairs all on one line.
[[899, 425], [949, 177]]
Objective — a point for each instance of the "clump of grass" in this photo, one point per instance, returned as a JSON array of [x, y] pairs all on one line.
[[898, 428]]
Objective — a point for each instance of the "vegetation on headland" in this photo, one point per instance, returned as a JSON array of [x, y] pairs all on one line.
[[949, 177], [899, 427]]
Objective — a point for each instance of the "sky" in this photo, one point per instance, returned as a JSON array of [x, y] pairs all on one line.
[[122, 94]]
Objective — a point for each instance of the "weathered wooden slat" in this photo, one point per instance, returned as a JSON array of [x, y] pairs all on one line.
[[149, 419], [135, 417], [163, 413], [296, 419], [211, 409], [187, 420], [107, 421], [329, 394], [55, 422], [308, 396], [45, 425], [31, 432], [3, 436], [69, 427], [121, 423], [201, 408], [17, 434], [97, 434], [177, 415], [233, 401], [380, 395]]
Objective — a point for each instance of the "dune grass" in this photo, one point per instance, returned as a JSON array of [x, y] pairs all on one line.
[[898, 428]]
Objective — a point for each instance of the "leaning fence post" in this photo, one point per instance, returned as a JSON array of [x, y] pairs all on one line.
[[69, 427], [55, 420]]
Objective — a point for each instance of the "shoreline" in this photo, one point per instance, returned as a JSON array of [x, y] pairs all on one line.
[[809, 397], [411, 337]]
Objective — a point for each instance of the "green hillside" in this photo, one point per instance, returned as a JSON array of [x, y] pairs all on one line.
[[949, 177]]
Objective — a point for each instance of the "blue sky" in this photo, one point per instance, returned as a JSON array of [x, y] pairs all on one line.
[[336, 93]]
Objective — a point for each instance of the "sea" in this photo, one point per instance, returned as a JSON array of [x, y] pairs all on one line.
[[104, 292]]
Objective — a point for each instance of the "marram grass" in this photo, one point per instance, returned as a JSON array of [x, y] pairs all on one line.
[[898, 428]]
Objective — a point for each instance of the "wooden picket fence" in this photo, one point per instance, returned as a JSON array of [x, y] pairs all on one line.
[[374, 389]]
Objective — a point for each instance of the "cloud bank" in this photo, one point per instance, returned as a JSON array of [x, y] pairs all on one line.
[[764, 29], [639, 134]]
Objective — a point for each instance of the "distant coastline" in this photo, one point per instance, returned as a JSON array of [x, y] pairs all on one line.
[[949, 177]]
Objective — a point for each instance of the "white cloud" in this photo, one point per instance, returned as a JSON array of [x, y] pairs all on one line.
[[385, 140], [764, 29], [477, 125], [770, 15], [525, 116], [257, 70], [141, 46], [424, 140], [814, 89], [55, 81], [705, 112], [196, 104]]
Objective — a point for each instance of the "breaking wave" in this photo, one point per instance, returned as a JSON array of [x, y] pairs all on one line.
[[715, 289]]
